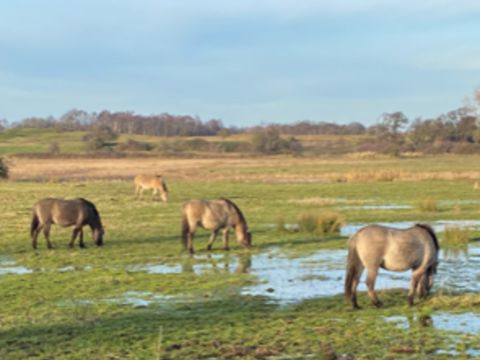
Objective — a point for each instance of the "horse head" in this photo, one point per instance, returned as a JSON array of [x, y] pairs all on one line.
[[246, 239], [98, 235]]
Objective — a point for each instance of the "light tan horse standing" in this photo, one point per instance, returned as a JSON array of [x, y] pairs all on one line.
[[214, 215], [154, 182], [377, 246]]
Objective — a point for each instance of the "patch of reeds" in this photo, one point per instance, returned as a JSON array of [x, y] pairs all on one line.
[[456, 236], [428, 205], [326, 223]]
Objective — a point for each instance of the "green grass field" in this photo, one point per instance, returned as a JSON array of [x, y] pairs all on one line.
[[73, 303]]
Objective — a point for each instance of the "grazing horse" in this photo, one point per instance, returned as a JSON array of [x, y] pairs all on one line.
[[77, 212], [214, 215], [376, 246], [155, 182]]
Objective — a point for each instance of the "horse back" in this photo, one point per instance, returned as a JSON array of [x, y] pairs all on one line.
[[392, 249], [62, 212], [208, 214], [149, 181]]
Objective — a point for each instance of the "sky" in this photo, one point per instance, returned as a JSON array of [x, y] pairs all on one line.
[[245, 62]]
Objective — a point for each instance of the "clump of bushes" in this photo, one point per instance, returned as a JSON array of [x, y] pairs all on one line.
[[269, 142], [326, 223], [428, 205], [455, 236], [100, 138], [134, 145], [3, 169], [54, 148]]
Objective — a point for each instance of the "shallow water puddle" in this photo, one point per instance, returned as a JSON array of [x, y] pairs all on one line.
[[468, 323], [379, 207], [10, 267], [289, 280], [286, 279]]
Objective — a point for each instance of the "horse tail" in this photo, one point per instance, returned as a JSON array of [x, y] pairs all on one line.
[[185, 229], [35, 223], [354, 267]]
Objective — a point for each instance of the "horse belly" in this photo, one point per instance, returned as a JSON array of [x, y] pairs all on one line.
[[396, 263]]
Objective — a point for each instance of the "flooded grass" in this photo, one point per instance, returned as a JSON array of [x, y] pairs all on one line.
[[141, 296]]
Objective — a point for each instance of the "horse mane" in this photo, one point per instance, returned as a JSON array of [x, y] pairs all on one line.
[[92, 206], [430, 231], [237, 209]]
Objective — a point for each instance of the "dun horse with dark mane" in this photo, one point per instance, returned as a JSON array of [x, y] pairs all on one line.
[[214, 215], [77, 212], [376, 246]]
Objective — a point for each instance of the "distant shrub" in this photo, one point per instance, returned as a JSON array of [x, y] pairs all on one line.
[[54, 148], [456, 236], [269, 142], [3, 169], [196, 144], [100, 138], [133, 145], [428, 205]]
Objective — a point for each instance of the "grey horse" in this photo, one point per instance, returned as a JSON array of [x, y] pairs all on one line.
[[376, 246]]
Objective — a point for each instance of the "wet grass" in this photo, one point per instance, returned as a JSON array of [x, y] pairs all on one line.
[[64, 314]]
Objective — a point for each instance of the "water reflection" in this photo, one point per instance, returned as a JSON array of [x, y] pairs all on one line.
[[464, 323], [289, 278]]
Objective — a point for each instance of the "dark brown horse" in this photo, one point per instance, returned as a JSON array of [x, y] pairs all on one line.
[[77, 212], [214, 215], [376, 246]]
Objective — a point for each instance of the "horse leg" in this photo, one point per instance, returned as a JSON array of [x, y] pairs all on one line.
[[212, 239], [82, 244], [190, 243], [74, 236], [371, 277], [46, 233], [355, 282], [35, 235], [416, 276], [225, 239]]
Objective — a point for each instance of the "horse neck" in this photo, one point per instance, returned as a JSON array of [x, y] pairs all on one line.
[[239, 224], [240, 229]]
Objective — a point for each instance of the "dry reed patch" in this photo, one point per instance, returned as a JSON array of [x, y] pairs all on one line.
[[428, 205], [275, 170], [455, 236]]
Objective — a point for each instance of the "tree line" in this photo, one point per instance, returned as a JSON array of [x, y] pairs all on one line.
[[392, 132]]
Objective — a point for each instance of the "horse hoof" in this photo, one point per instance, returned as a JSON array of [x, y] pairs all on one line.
[[378, 304], [356, 307], [226, 248]]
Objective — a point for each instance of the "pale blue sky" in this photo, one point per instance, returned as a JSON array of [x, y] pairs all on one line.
[[244, 62]]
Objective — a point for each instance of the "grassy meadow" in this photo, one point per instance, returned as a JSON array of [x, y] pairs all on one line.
[[75, 303]]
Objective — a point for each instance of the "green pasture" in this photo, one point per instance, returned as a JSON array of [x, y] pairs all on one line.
[[68, 306]]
